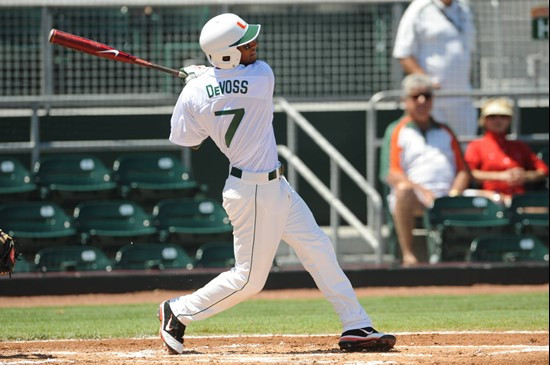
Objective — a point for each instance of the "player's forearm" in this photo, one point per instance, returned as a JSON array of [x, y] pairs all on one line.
[[410, 65], [461, 182]]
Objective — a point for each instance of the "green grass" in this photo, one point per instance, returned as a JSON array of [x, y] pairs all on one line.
[[496, 312]]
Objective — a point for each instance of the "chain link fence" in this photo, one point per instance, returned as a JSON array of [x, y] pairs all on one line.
[[319, 50]]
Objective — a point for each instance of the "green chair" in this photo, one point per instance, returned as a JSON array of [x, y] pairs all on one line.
[[453, 222], [15, 179], [215, 254], [528, 214], [148, 175], [22, 266], [105, 220], [191, 217], [71, 258], [158, 256], [35, 219], [75, 173], [507, 248]]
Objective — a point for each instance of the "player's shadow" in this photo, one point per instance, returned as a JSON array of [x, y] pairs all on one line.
[[34, 356]]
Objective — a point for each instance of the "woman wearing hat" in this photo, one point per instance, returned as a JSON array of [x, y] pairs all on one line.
[[500, 165]]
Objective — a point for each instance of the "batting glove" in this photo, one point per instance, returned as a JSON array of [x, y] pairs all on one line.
[[194, 71]]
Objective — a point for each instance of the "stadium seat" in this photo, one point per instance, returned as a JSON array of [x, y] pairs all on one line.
[[69, 176], [543, 155], [194, 219], [528, 213], [35, 219], [507, 248], [71, 258], [159, 256], [15, 180], [112, 222], [452, 223], [151, 177], [215, 254], [22, 265]]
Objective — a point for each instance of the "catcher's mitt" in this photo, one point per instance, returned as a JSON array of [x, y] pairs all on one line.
[[8, 254]]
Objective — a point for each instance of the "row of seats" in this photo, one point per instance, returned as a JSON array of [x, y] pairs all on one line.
[[140, 256], [84, 175], [112, 223], [455, 225]]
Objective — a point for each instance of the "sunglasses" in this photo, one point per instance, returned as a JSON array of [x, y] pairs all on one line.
[[427, 96]]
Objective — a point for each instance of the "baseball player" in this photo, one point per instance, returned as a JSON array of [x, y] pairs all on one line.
[[232, 103]]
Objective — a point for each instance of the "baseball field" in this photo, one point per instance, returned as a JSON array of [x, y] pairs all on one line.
[[434, 325]]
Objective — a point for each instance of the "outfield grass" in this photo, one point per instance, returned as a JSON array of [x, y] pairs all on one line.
[[495, 312]]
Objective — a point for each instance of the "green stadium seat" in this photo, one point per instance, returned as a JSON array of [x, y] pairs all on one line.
[[15, 179], [191, 218], [159, 256], [72, 258], [146, 177], [77, 174], [104, 221], [543, 155], [507, 248], [35, 219], [528, 213], [453, 222], [215, 254], [22, 265]]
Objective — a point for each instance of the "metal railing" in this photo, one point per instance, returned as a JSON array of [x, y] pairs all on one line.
[[372, 232]]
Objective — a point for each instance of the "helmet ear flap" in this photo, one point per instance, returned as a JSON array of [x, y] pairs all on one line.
[[227, 59]]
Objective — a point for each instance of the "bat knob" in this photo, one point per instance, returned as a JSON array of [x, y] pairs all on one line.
[[52, 35]]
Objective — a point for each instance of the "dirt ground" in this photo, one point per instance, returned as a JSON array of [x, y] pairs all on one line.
[[519, 347]]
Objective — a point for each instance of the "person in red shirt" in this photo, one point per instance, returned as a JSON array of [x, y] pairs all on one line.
[[500, 165]]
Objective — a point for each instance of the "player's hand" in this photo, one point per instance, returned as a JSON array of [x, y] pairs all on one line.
[[193, 72]]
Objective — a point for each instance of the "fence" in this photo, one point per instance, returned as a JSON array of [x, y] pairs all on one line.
[[331, 50]]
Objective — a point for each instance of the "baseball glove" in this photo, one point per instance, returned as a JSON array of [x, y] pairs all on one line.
[[8, 254]]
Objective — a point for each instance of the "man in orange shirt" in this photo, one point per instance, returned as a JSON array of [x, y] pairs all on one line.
[[424, 161]]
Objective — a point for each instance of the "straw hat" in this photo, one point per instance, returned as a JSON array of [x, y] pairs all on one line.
[[496, 106]]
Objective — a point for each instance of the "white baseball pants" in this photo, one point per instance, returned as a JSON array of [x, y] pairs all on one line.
[[262, 213]]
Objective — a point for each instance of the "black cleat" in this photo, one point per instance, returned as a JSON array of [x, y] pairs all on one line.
[[366, 339], [171, 329]]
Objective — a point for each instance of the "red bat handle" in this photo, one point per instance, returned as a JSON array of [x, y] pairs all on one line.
[[97, 49]]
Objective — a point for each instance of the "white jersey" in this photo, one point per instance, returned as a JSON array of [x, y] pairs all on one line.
[[440, 38], [233, 107]]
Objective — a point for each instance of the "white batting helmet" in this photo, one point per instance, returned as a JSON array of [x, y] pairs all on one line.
[[221, 36]]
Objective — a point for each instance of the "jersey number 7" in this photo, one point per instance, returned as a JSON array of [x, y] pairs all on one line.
[[238, 115]]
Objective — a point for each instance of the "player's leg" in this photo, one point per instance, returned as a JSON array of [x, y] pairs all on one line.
[[257, 213], [314, 249]]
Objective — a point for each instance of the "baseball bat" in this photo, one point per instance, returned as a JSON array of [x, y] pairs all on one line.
[[97, 49]]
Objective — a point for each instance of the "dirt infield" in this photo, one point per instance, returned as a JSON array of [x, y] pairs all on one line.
[[520, 347], [435, 348]]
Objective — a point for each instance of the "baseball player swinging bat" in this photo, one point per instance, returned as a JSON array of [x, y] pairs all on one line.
[[97, 49]]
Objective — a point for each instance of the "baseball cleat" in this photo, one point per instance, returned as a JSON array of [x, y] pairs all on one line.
[[366, 339], [171, 329]]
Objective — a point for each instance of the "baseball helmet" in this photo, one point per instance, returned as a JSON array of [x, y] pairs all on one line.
[[221, 36]]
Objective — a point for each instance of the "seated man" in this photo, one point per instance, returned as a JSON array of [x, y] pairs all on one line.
[[424, 162], [502, 166]]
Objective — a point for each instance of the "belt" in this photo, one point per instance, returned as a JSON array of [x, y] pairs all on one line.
[[258, 176]]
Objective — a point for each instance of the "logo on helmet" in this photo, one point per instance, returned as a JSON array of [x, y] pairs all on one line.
[[241, 25]]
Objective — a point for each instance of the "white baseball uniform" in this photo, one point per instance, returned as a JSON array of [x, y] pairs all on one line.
[[441, 39], [235, 108]]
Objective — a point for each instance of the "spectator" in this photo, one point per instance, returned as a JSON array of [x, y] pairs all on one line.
[[499, 165], [436, 37], [424, 162]]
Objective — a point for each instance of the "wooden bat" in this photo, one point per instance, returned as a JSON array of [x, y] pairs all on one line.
[[97, 49]]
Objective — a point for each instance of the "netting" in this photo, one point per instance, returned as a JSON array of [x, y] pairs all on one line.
[[318, 50]]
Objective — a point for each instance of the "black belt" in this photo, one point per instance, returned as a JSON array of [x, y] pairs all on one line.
[[270, 175]]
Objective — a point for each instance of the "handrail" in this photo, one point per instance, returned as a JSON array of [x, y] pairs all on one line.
[[328, 196], [374, 208]]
